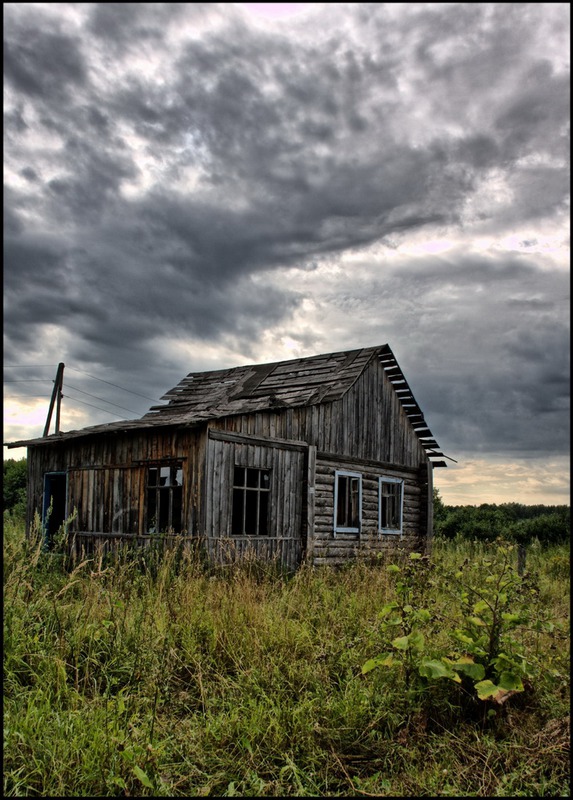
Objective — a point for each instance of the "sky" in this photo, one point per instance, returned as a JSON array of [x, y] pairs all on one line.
[[197, 186]]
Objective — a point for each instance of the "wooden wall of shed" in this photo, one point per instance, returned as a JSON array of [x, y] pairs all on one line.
[[330, 549], [107, 477], [368, 423], [287, 468]]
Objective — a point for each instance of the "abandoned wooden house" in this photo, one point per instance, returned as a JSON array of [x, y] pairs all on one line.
[[317, 459]]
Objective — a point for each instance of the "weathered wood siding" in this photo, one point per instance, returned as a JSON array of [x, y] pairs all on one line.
[[286, 463], [106, 477], [368, 422]]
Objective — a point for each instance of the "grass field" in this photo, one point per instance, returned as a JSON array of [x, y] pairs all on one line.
[[176, 680]]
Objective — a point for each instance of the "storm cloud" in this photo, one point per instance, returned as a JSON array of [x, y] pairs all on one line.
[[191, 187]]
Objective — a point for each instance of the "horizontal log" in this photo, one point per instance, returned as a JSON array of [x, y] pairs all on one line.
[[267, 441]]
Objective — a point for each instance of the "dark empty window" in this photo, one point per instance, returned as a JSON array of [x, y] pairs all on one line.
[[391, 494], [165, 498], [251, 491], [347, 502]]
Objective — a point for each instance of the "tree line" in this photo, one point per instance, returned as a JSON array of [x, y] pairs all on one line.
[[516, 521], [15, 480]]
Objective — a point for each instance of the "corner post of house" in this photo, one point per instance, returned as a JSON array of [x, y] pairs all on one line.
[[430, 507], [310, 501]]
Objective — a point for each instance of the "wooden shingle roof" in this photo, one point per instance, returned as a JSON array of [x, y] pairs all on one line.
[[243, 390], [202, 396]]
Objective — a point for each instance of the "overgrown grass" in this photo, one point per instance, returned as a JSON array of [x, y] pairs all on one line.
[[181, 681]]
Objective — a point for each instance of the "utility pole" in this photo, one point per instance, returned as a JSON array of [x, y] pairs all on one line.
[[56, 399]]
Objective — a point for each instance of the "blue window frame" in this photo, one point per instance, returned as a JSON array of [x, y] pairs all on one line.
[[347, 502], [390, 505]]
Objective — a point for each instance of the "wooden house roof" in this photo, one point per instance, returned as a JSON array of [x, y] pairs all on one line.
[[202, 396]]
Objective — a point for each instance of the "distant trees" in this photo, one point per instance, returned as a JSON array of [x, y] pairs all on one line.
[[15, 480], [522, 523]]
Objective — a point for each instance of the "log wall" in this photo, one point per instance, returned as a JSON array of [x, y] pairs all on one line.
[[331, 548]]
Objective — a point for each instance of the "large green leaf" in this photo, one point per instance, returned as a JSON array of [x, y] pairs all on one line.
[[401, 643], [461, 637], [417, 640], [486, 689], [510, 682], [143, 777], [468, 666], [384, 660], [434, 669]]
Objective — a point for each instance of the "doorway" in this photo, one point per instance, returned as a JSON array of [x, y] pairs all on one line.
[[54, 508]]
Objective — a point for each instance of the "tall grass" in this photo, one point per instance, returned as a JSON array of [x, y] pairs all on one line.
[[178, 680]]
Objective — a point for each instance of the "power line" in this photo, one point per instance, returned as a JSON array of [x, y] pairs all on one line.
[[31, 380], [77, 400], [103, 400], [153, 400], [73, 399], [75, 369]]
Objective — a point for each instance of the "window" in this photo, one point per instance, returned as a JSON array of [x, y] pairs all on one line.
[[165, 498], [391, 496], [347, 502], [251, 491]]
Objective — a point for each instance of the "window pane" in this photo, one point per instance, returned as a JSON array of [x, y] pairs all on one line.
[[163, 511], [390, 505], [152, 511], [354, 505], [164, 473], [251, 505], [342, 503], [251, 501], [152, 476], [348, 501], [238, 505], [253, 478], [239, 476], [264, 514]]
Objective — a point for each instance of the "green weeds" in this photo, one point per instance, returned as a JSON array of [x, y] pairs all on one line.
[[169, 679]]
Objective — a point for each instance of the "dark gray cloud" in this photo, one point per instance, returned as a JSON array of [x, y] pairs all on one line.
[[176, 173], [483, 340]]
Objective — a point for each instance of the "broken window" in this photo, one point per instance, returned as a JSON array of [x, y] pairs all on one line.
[[251, 493], [347, 502], [165, 498], [390, 505]]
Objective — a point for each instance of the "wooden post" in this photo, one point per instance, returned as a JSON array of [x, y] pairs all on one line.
[[56, 396], [310, 490], [429, 507]]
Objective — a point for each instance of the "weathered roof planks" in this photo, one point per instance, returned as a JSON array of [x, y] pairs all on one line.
[[202, 396]]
